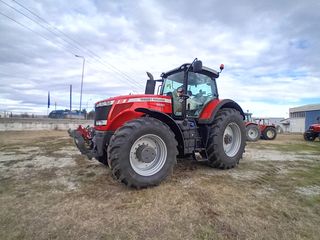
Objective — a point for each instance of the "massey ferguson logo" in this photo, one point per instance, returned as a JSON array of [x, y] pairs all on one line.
[[150, 100]]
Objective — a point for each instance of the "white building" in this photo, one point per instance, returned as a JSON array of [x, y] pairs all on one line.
[[302, 117]]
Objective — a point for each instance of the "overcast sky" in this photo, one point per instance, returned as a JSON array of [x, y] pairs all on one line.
[[270, 50]]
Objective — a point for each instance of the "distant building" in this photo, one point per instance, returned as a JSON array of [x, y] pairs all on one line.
[[5, 114], [285, 125], [302, 117]]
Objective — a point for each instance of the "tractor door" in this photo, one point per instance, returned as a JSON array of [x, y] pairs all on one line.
[[173, 87], [201, 89]]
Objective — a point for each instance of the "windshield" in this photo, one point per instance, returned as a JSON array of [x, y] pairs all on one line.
[[200, 90], [197, 84], [248, 117]]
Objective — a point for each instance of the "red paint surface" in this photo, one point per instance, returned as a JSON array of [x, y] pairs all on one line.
[[84, 132], [208, 109], [315, 127], [123, 110], [249, 123]]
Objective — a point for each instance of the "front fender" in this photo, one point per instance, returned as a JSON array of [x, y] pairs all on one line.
[[122, 118]]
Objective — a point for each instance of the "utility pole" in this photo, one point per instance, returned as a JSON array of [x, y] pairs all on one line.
[[70, 97], [84, 60]]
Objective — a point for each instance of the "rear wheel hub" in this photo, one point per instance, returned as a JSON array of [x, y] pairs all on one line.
[[227, 139], [231, 139]]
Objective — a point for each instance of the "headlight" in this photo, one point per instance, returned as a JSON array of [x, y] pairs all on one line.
[[106, 103], [101, 122]]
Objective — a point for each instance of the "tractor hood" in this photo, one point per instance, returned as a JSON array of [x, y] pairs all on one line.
[[134, 98], [315, 127]]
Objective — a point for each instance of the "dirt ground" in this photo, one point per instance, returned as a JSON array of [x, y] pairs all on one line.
[[49, 191]]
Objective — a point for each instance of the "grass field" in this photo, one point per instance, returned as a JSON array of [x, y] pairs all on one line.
[[49, 191]]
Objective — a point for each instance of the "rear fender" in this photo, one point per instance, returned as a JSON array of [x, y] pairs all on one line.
[[250, 123], [169, 121], [210, 110]]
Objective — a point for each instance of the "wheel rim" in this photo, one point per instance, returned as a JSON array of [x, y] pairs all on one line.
[[253, 133], [270, 134], [231, 139], [148, 154]]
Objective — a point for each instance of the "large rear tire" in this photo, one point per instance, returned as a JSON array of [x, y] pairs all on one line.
[[142, 152], [227, 139], [252, 133], [269, 133], [103, 159]]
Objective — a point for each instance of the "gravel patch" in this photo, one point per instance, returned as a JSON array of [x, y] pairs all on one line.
[[308, 191]]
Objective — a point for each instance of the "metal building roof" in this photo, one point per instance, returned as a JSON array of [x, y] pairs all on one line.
[[305, 108]]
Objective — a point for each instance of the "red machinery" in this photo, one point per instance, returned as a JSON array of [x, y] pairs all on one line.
[[312, 133], [140, 136], [259, 128], [268, 131], [252, 129]]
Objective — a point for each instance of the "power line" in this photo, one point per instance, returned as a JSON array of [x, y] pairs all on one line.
[[44, 27], [114, 75], [76, 42], [30, 29], [43, 36]]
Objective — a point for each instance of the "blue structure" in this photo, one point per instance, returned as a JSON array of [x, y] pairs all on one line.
[[302, 117], [312, 117]]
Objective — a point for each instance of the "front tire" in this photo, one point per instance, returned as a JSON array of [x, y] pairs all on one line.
[[142, 152], [227, 139], [309, 136], [269, 133], [252, 133]]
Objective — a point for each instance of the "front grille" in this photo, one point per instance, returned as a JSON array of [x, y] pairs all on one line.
[[101, 113]]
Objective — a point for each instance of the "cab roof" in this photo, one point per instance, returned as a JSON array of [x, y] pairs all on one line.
[[205, 70]]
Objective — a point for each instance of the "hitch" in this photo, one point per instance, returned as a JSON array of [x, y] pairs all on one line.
[[82, 138]]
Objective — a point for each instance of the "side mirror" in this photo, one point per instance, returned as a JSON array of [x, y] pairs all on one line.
[[197, 66], [150, 86]]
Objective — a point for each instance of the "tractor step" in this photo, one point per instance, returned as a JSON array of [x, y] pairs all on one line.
[[200, 155]]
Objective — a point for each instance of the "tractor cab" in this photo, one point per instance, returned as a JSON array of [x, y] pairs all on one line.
[[190, 86], [189, 90], [248, 117]]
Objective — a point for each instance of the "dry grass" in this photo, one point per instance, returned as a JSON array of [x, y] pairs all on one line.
[[49, 191]]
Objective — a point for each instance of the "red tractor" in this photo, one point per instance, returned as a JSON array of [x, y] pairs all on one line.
[[140, 136], [252, 129], [268, 131], [312, 133]]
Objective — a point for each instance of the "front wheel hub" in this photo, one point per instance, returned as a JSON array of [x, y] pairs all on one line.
[[146, 154]]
